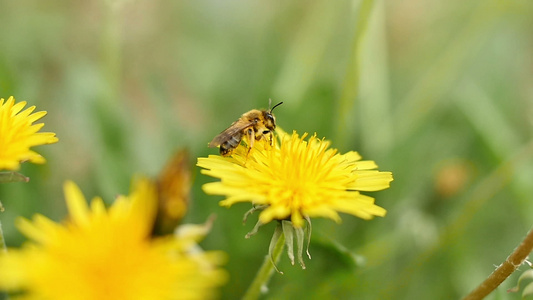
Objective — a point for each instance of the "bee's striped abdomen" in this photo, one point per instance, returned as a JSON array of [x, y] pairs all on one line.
[[227, 147]]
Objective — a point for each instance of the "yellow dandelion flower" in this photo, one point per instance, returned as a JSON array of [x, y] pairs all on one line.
[[101, 253], [18, 134], [297, 179], [292, 181]]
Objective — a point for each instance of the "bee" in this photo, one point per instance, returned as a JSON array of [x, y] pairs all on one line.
[[255, 124]]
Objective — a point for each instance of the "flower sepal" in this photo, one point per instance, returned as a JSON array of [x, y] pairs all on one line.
[[290, 232], [285, 230]]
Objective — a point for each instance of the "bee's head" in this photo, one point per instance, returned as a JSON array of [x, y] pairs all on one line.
[[270, 120]]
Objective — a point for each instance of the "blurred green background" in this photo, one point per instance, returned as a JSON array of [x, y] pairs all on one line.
[[438, 92]]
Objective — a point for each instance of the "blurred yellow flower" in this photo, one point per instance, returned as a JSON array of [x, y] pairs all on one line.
[[296, 180], [101, 253], [18, 134]]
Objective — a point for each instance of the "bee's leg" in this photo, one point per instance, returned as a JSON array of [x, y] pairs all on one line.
[[251, 140], [271, 138]]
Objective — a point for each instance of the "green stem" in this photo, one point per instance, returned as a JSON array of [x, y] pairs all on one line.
[[3, 247], [512, 262], [265, 272]]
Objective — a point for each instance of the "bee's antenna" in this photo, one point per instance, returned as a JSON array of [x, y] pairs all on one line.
[[274, 105]]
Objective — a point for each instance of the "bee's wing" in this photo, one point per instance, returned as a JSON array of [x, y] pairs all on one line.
[[225, 135]]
